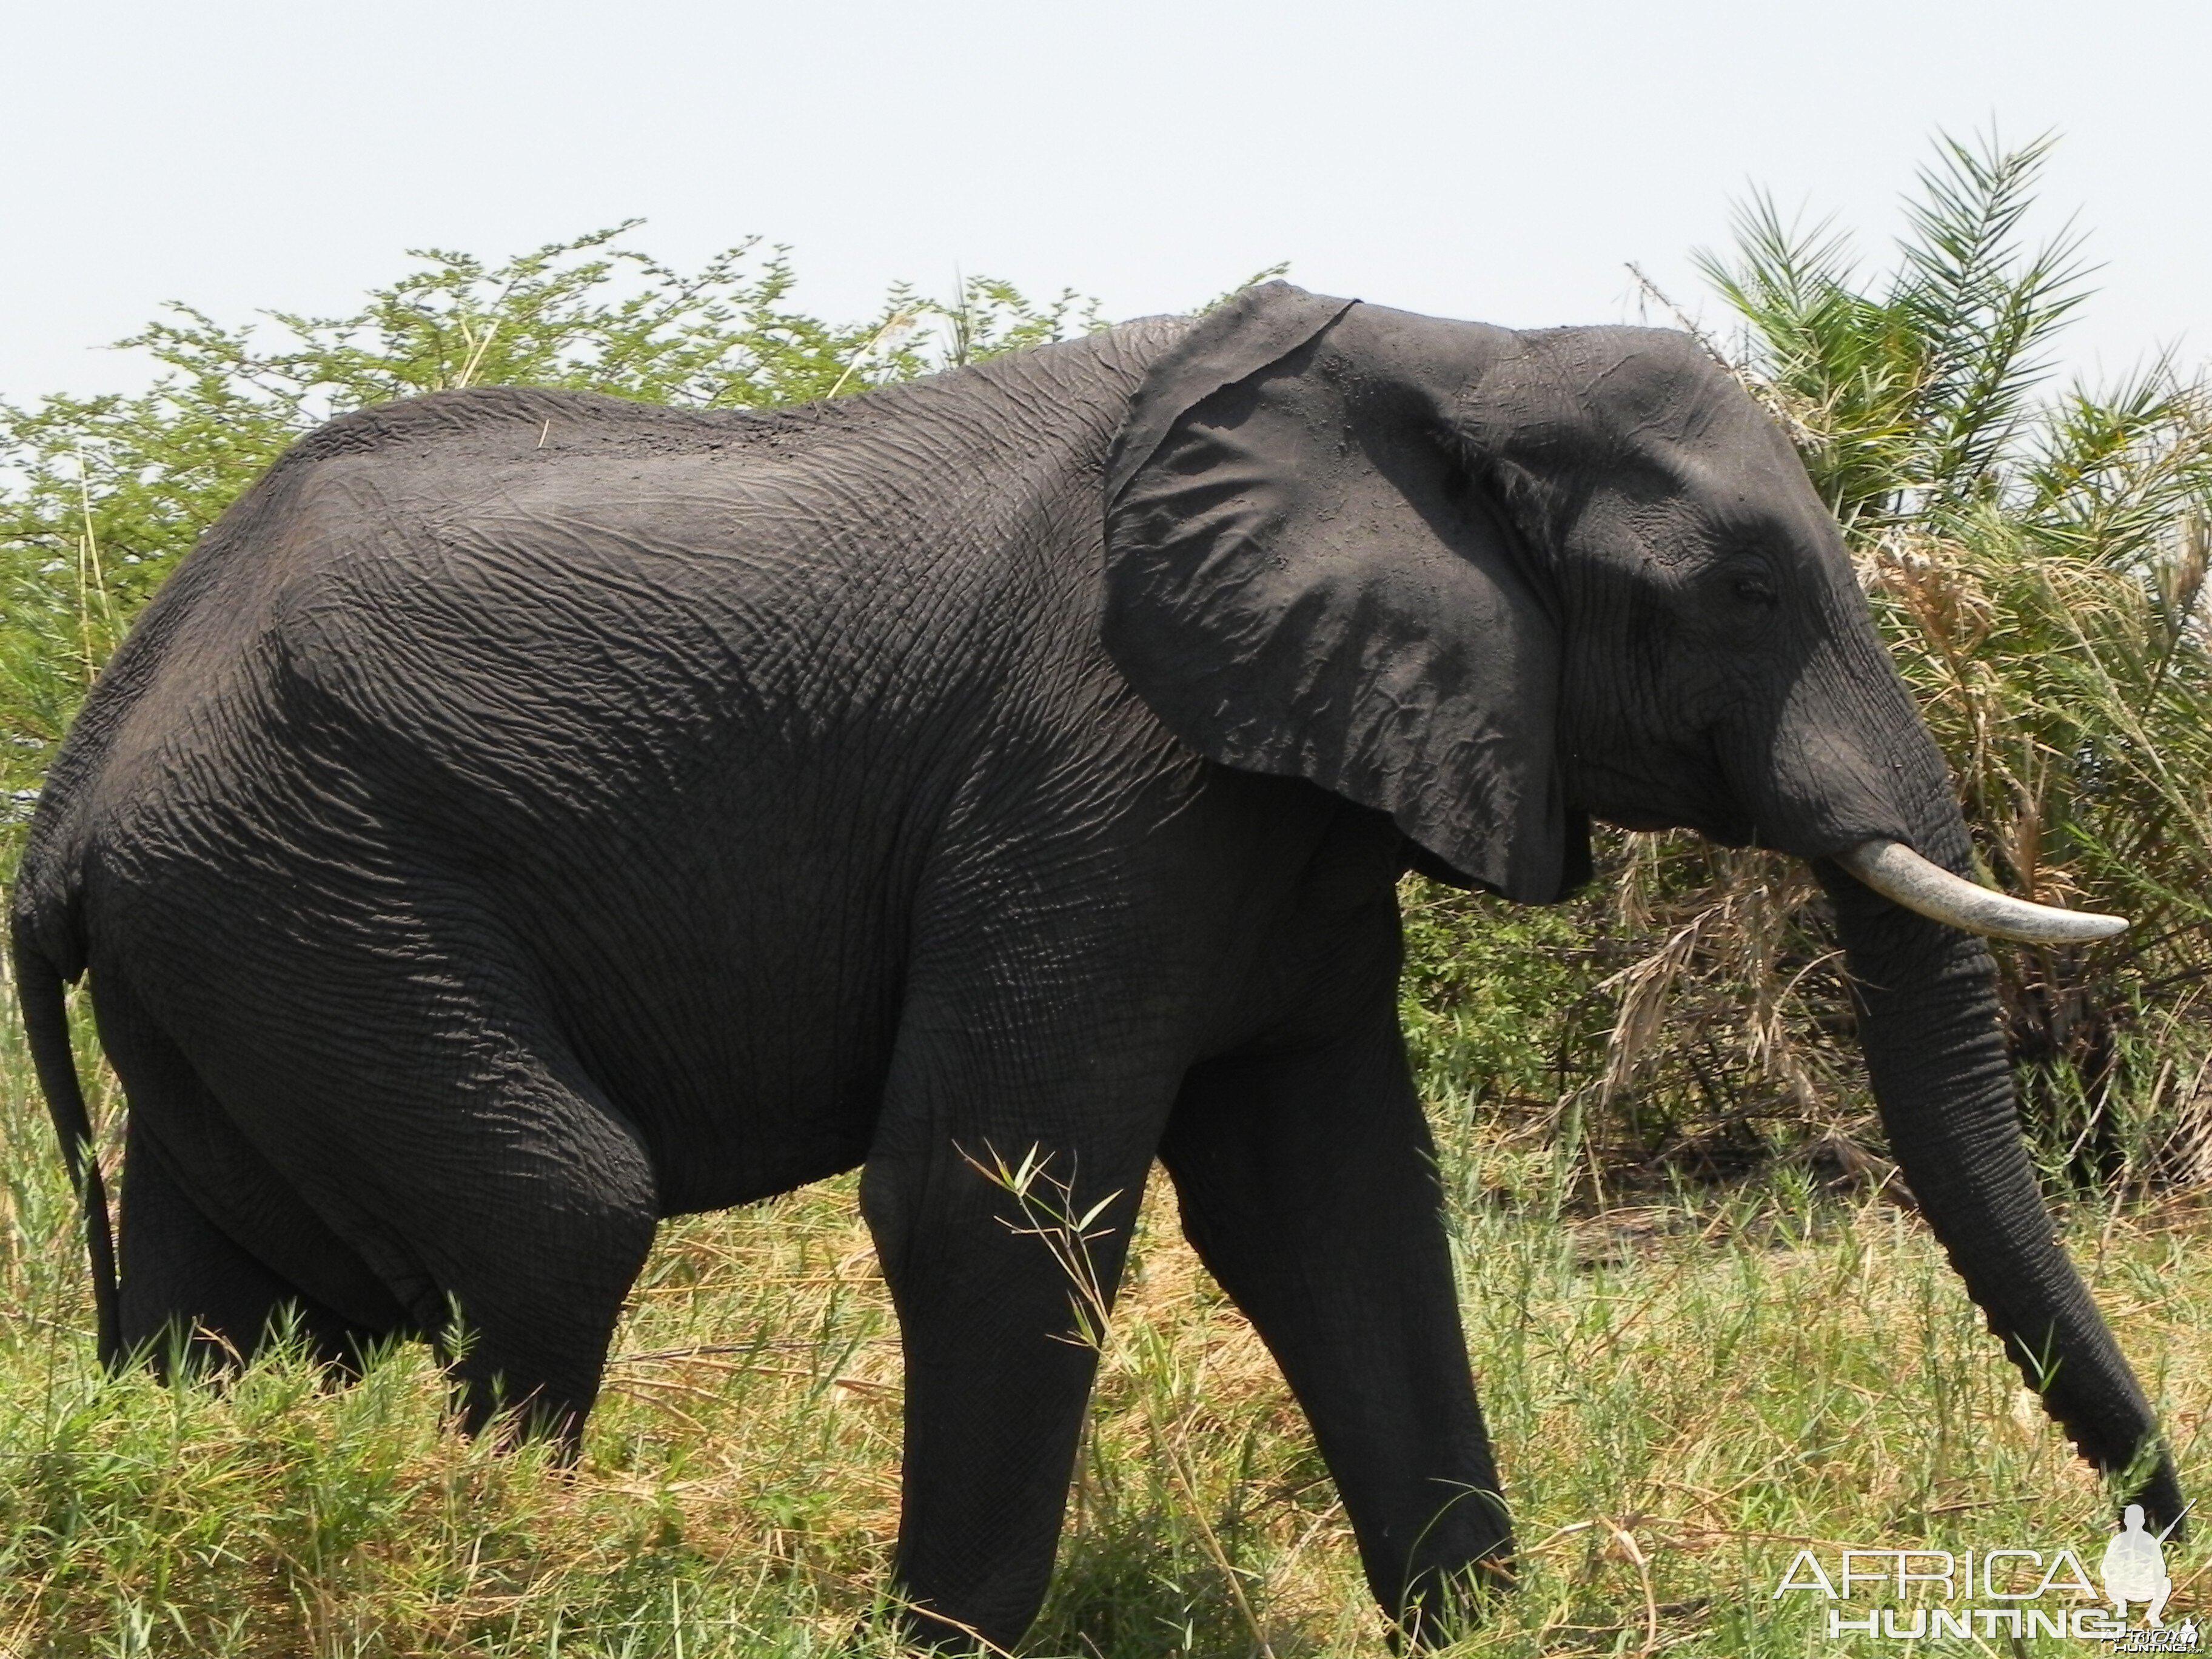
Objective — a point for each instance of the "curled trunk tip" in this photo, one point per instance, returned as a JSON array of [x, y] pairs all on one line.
[[1903, 876]]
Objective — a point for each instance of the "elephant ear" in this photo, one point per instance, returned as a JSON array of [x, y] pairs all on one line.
[[1304, 578]]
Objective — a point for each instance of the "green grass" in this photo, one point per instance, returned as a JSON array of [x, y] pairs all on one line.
[[1684, 1394]]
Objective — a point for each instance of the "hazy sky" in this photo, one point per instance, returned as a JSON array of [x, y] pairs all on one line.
[[1473, 159]]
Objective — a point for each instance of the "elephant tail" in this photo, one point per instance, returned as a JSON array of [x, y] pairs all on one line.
[[40, 990]]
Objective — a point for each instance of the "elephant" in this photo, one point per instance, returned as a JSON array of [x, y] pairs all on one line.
[[528, 815]]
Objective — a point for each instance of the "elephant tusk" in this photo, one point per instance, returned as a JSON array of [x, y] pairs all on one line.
[[1903, 876]]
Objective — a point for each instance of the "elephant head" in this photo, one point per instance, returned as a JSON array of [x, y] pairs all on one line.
[[1490, 582]]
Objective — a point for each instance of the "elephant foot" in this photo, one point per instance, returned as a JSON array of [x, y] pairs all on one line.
[[2160, 1497], [1445, 1608], [921, 1632]]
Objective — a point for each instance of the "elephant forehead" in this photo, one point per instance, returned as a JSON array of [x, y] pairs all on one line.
[[1625, 386]]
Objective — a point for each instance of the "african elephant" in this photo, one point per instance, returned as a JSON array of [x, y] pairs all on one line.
[[528, 815]]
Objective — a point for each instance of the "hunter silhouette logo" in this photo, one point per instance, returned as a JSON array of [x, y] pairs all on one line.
[[2135, 1571], [1989, 1595]]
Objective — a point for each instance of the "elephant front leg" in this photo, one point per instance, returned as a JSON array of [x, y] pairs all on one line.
[[1307, 1187], [996, 1301]]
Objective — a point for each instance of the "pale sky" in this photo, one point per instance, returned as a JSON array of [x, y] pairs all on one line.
[[1472, 159]]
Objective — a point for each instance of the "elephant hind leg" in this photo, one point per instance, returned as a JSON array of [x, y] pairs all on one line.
[[192, 1297], [217, 1254], [516, 1204], [445, 1158]]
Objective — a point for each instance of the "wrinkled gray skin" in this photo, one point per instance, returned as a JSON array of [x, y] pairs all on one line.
[[529, 815]]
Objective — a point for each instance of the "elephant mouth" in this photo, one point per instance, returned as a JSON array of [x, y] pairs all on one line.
[[1721, 831], [1693, 794], [1729, 832]]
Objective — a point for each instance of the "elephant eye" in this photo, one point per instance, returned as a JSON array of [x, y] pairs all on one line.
[[1754, 590]]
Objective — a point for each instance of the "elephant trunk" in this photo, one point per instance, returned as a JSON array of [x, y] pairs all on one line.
[[1928, 1023]]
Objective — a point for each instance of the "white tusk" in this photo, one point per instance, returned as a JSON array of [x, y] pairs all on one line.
[[1901, 875]]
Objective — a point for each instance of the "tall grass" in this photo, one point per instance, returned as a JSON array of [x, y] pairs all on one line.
[[1685, 1392]]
